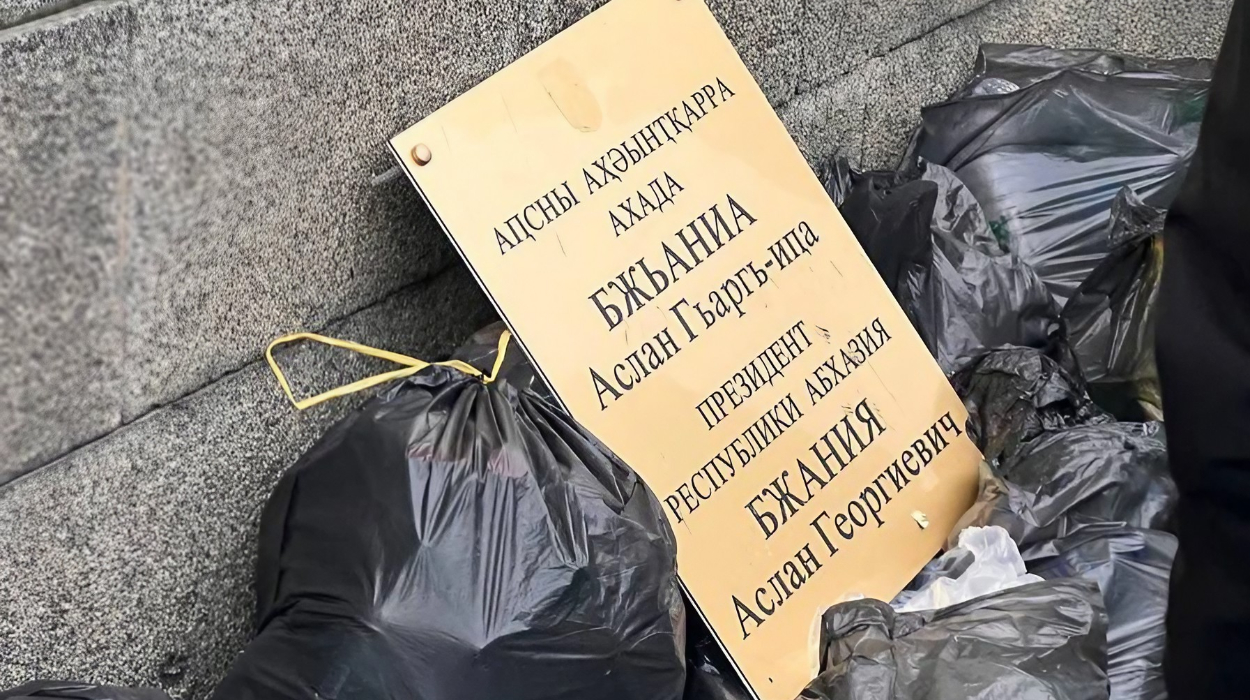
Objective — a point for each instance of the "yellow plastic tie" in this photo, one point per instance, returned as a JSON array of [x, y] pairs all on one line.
[[410, 366]]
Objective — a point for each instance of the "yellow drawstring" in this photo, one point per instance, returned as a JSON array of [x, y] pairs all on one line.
[[411, 366]]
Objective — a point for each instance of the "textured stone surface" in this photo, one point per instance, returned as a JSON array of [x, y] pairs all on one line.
[[16, 11], [226, 199], [791, 45], [63, 233], [209, 180], [131, 560], [794, 46]]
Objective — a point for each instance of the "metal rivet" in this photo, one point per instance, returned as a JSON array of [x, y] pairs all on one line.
[[421, 154]]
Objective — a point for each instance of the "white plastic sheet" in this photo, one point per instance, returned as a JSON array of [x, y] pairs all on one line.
[[996, 566]]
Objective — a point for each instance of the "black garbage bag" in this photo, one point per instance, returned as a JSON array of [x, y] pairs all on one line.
[[709, 675], [1042, 640], [951, 564], [73, 690], [453, 540], [1131, 567], [839, 177], [481, 349], [1045, 156], [1015, 394], [1114, 472], [1002, 68], [891, 215], [930, 242], [1111, 317]]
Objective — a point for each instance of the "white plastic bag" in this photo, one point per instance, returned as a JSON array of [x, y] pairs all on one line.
[[996, 566]]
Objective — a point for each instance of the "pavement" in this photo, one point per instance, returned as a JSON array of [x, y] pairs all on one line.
[[183, 180]]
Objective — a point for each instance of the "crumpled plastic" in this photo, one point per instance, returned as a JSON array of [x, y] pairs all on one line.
[[1093, 502], [454, 539], [1086, 539], [1115, 472], [1015, 394], [1131, 567], [1044, 139], [991, 563], [1009, 67], [929, 240], [709, 675], [838, 177], [1111, 317], [73, 690], [1043, 640], [481, 349]]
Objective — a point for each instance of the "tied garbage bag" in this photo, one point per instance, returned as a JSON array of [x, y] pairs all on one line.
[[481, 351], [1044, 640], [890, 215], [1111, 317], [930, 242], [990, 563], [1045, 156], [1131, 567], [1015, 394], [457, 539], [71, 690]]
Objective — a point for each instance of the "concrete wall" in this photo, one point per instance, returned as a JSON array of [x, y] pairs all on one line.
[[182, 180]]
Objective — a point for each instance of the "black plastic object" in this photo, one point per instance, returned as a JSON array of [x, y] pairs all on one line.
[[481, 349], [1091, 502], [1111, 318], [1043, 640], [891, 214], [839, 177], [930, 242], [455, 540], [709, 675], [1007, 67], [1044, 140], [950, 564], [1131, 567], [72, 690], [1015, 394], [1116, 472]]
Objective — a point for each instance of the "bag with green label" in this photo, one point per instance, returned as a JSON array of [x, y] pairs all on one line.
[[1045, 139]]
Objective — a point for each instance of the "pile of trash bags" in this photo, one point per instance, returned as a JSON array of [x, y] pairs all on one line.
[[930, 241], [1059, 572], [1054, 584], [1023, 236], [1046, 139], [462, 537], [1029, 208]]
